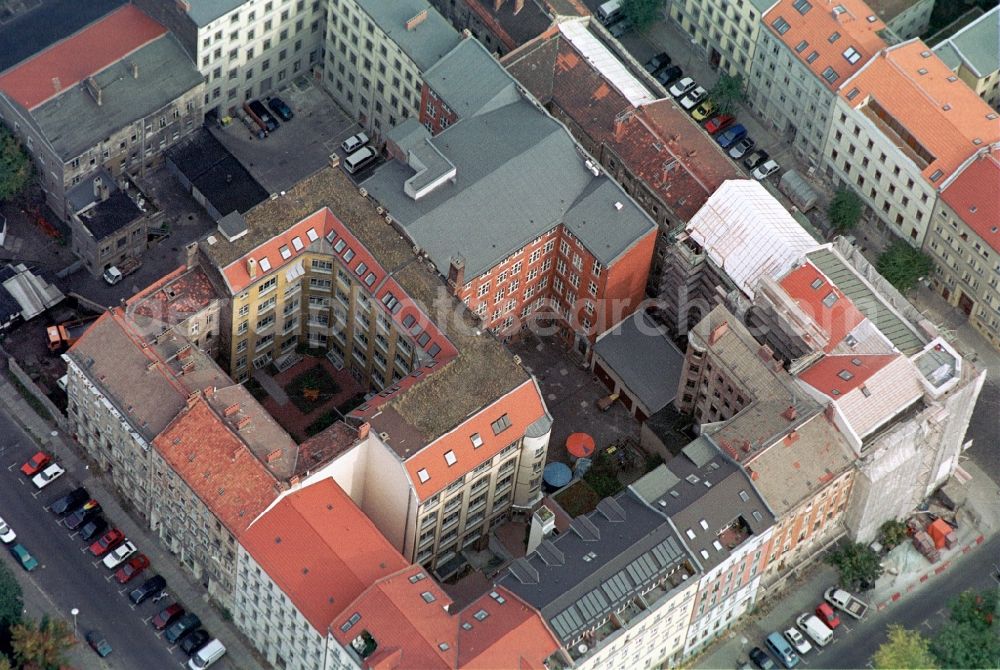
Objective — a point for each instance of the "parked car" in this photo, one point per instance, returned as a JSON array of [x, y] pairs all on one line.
[[681, 88], [98, 643], [260, 115], [195, 641], [765, 170], [251, 125], [207, 655], [694, 96], [69, 502], [147, 589], [279, 107], [817, 631], [619, 28], [83, 514], [47, 476], [719, 122], [824, 611], [36, 463], [167, 616], [755, 159], [107, 542], [657, 62], [354, 142], [23, 557], [119, 554], [669, 75], [7, 535], [132, 568], [93, 528], [738, 150], [703, 111], [186, 624], [797, 640], [761, 659], [731, 135]]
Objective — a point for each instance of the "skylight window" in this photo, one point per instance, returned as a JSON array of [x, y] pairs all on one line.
[[349, 254], [852, 55], [428, 597], [802, 6], [690, 534], [717, 545], [704, 554], [856, 362], [477, 441], [285, 253], [423, 475], [757, 515], [801, 46], [846, 375], [297, 243], [265, 264], [704, 524], [816, 283], [481, 615], [781, 25], [312, 235], [830, 298], [450, 458], [833, 38]]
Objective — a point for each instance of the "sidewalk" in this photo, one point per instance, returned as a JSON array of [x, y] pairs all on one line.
[[239, 654]]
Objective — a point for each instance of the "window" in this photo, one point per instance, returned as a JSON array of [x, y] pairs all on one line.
[[477, 441], [781, 25], [830, 75], [423, 475], [501, 424]]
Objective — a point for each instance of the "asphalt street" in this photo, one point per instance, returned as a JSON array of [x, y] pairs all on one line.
[[68, 576]]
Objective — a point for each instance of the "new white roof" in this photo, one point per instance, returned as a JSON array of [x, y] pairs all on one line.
[[748, 233], [604, 61]]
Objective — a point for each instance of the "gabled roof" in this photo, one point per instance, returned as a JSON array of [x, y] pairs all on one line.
[[974, 196], [975, 45], [321, 550], [66, 64], [217, 465], [923, 107], [826, 304]]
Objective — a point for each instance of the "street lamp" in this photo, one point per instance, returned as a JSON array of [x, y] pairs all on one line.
[[74, 612]]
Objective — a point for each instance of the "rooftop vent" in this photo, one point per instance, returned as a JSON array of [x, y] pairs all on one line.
[[618, 205], [232, 226]]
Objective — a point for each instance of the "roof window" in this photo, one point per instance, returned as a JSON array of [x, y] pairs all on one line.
[[349, 254], [812, 57], [830, 75], [285, 253], [477, 441], [872, 18], [802, 6], [428, 597], [846, 375], [417, 577], [922, 70], [704, 554], [444, 646], [703, 524], [690, 534], [423, 475], [801, 46], [265, 264], [481, 615], [501, 424], [925, 54], [757, 516], [852, 55], [339, 245], [816, 283], [781, 25], [370, 279], [934, 177], [744, 496], [833, 37], [717, 545], [312, 235], [856, 362], [853, 93], [297, 243], [360, 270], [450, 458], [830, 299]]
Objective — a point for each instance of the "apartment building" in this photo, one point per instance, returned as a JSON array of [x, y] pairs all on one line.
[[617, 588], [725, 526], [554, 238], [900, 128], [441, 457], [111, 229], [904, 19], [726, 31], [659, 155], [110, 98], [245, 48], [376, 55], [805, 52], [501, 25], [971, 54], [964, 243]]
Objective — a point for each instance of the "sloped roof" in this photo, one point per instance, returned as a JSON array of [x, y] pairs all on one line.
[[826, 304], [468, 82], [974, 196], [975, 45]]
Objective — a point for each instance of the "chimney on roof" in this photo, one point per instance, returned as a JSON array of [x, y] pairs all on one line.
[[191, 254], [192, 399], [363, 430], [417, 20], [790, 413], [91, 85], [135, 70], [232, 409], [621, 120], [791, 437], [101, 191], [273, 455], [185, 352], [209, 391], [242, 422], [456, 272], [252, 268], [765, 353], [718, 332], [187, 367], [754, 476], [294, 479]]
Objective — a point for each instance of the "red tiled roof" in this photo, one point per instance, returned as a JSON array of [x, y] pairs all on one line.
[[974, 196], [837, 320], [512, 632], [522, 407], [828, 374], [67, 63], [917, 90], [855, 23], [217, 465], [321, 550]]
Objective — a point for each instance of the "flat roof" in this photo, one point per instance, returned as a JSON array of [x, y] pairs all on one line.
[[426, 42], [216, 173], [109, 216], [203, 12]]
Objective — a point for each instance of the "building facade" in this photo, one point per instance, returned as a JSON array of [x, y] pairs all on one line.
[[110, 230], [969, 53], [726, 31]]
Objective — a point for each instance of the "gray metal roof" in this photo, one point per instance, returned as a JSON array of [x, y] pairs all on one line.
[[469, 82], [203, 12], [608, 558], [521, 173], [899, 332], [644, 358], [427, 42], [976, 45], [73, 122]]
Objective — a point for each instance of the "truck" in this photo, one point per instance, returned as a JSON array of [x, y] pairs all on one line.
[[815, 629], [846, 602], [609, 12], [116, 273], [64, 335]]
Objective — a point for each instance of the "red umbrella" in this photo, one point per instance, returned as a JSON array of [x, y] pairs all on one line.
[[580, 445]]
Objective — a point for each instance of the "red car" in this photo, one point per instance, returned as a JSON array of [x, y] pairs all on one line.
[[133, 567], [108, 541], [36, 464], [167, 616], [828, 615], [717, 123]]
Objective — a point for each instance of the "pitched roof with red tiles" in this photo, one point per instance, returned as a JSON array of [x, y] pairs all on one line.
[[321, 550], [216, 464], [974, 196], [837, 35], [512, 632], [826, 304], [909, 86], [838, 375], [69, 62]]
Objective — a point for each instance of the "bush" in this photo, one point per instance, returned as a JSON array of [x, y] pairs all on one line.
[[844, 210], [903, 266]]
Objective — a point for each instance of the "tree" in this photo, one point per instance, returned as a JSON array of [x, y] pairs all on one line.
[[892, 533], [15, 166], [5, 663], [904, 649], [903, 265], [972, 638], [641, 12], [727, 93], [844, 210], [42, 644], [10, 601], [857, 564]]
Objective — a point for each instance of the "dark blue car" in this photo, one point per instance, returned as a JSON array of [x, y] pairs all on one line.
[[731, 136]]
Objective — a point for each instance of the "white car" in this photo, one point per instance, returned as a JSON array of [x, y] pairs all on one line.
[[47, 476], [693, 98], [119, 555], [6, 534], [765, 170], [354, 142], [796, 639], [682, 87]]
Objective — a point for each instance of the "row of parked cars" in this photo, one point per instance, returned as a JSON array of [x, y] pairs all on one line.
[[79, 512], [262, 121], [811, 628], [730, 135]]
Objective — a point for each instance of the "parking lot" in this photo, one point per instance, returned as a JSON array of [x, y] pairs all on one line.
[[299, 147]]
